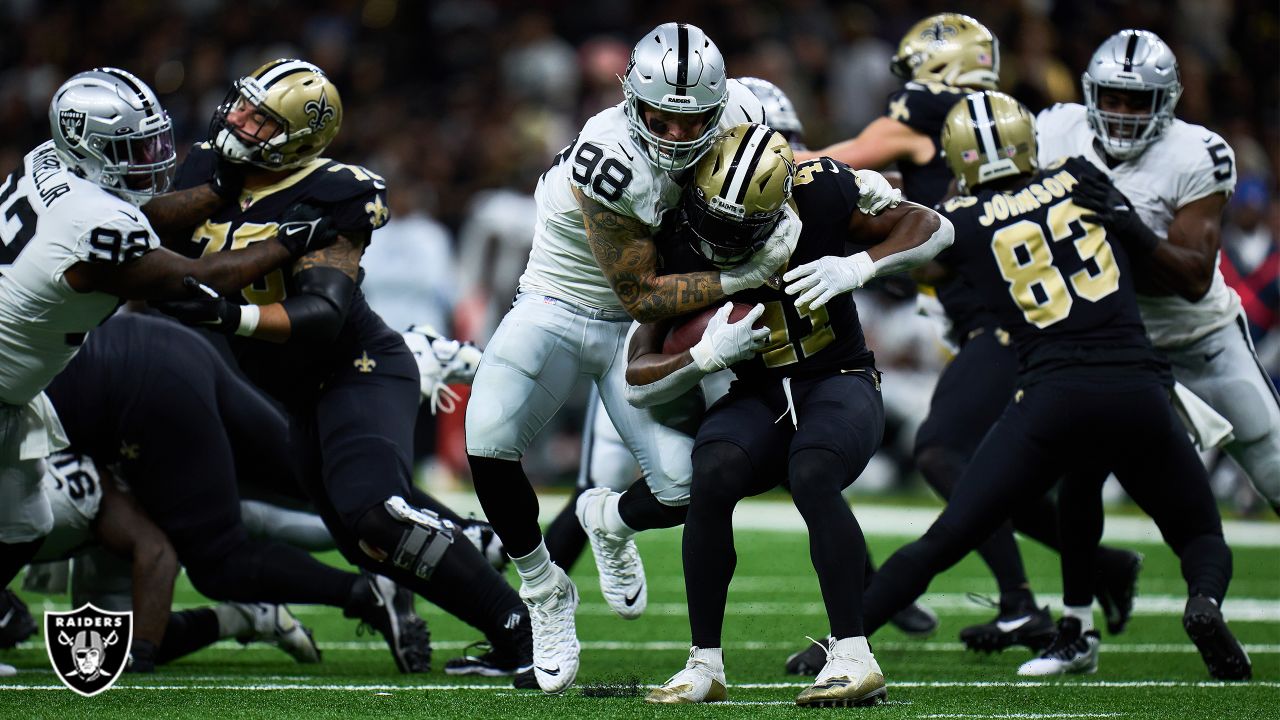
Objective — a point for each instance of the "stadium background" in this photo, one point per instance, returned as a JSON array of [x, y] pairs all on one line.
[[460, 104]]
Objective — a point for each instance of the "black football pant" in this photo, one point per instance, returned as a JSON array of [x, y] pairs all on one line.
[[1061, 426], [741, 451], [355, 446]]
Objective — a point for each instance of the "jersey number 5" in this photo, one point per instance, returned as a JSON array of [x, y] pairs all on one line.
[[1037, 286]]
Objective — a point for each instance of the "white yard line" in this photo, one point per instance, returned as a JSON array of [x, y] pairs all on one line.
[[382, 687]]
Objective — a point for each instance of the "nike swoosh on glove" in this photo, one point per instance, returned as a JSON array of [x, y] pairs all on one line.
[[304, 227]]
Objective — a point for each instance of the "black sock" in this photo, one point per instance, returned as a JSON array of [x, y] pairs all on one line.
[[270, 572], [188, 631], [509, 503], [564, 536], [640, 510], [836, 544], [14, 557], [1206, 566], [720, 472]]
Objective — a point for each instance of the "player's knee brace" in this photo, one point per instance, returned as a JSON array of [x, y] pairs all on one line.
[[412, 539]]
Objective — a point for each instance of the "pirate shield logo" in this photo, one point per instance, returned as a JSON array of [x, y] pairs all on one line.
[[88, 647], [72, 124]]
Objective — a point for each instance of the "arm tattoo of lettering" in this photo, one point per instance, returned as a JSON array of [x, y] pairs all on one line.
[[624, 250]]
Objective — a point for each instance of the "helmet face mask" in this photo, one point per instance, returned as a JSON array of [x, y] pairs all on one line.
[[279, 117], [676, 70], [110, 129], [1130, 88], [949, 48], [987, 136], [740, 189]]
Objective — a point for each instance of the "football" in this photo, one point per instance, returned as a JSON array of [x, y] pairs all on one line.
[[688, 331]]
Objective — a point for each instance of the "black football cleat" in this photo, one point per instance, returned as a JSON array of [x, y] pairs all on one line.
[[16, 623], [1223, 655], [915, 620], [386, 607], [1020, 624], [1116, 589]]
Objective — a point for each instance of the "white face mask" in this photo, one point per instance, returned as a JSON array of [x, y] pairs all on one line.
[[232, 147]]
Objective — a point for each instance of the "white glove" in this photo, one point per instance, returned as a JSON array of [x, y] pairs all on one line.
[[724, 343], [764, 263], [875, 194], [827, 277], [441, 362]]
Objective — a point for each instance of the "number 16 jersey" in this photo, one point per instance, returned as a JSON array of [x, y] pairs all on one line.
[[604, 163]]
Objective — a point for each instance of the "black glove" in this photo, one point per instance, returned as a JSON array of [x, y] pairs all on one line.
[[228, 180], [1112, 210], [142, 657], [304, 228], [205, 308]]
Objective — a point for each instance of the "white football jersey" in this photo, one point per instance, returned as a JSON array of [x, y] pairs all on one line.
[[604, 163], [74, 489], [51, 219], [1186, 164]]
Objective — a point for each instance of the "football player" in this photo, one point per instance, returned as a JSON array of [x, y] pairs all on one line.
[[1062, 285], [106, 530], [1166, 183], [307, 337], [74, 244], [805, 408], [942, 57]]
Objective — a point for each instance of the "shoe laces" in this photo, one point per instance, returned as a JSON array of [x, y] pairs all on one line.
[[1066, 645], [542, 613], [621, 556], [834, 659]]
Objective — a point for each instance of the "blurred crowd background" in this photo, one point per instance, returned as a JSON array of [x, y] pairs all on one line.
[[461, 104]]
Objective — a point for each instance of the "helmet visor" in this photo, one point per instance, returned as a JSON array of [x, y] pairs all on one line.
[[144, 162]]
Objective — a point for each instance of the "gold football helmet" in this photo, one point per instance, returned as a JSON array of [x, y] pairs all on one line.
[[739, 189], [280, 116], [988, 135], [951, 49]]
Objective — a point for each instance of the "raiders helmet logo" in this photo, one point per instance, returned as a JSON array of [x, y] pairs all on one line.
[[72, 124], [88, 647], [319, 112]]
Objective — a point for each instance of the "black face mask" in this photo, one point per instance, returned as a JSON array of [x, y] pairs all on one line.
[[722, 241]]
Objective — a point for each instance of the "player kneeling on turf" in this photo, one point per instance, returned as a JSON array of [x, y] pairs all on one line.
[[806, 406]]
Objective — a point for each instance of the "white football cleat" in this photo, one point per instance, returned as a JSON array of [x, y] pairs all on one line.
[[7, 670], [1072, 652], [555, 635], [275, 625], [617, 560], [851, 677], [701, 680]]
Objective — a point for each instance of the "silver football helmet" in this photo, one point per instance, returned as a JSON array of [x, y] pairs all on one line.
[[110, 129], [675, 68], [1131, 60], [779, 113]]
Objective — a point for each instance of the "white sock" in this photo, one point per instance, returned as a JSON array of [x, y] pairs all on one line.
[[1083, 613], [856, 646], [231, 622], [712, 656], [613, 522], [534, 568]]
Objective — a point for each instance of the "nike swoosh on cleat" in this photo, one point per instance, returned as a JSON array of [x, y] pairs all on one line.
[[631, 600], [1208, 357], [1010, 625], [545, 671]]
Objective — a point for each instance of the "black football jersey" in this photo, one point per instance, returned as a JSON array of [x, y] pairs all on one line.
[[1060, 286], [356, 201], [828, 339], [923, 106]]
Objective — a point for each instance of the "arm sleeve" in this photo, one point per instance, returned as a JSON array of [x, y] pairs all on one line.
[[318, 310]]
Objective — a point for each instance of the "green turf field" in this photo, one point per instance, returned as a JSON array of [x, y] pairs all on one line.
[[1152, 671]]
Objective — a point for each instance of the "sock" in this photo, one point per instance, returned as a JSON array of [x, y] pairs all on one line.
[[856, 646], [534, 568], [613, 521], [1083, 613], [1019, 599], [188, 631], [231, 622], [713, 656]]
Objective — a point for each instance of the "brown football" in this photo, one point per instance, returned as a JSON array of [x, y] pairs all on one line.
[[688, 330]]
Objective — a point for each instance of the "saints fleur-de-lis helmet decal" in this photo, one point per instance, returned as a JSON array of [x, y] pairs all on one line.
[[281, 116]]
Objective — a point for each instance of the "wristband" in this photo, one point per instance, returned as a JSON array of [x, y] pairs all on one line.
[[249, 316]]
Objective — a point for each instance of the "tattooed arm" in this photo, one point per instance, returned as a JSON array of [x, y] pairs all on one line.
[[624, 250], [325, 281], [174, 215]]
